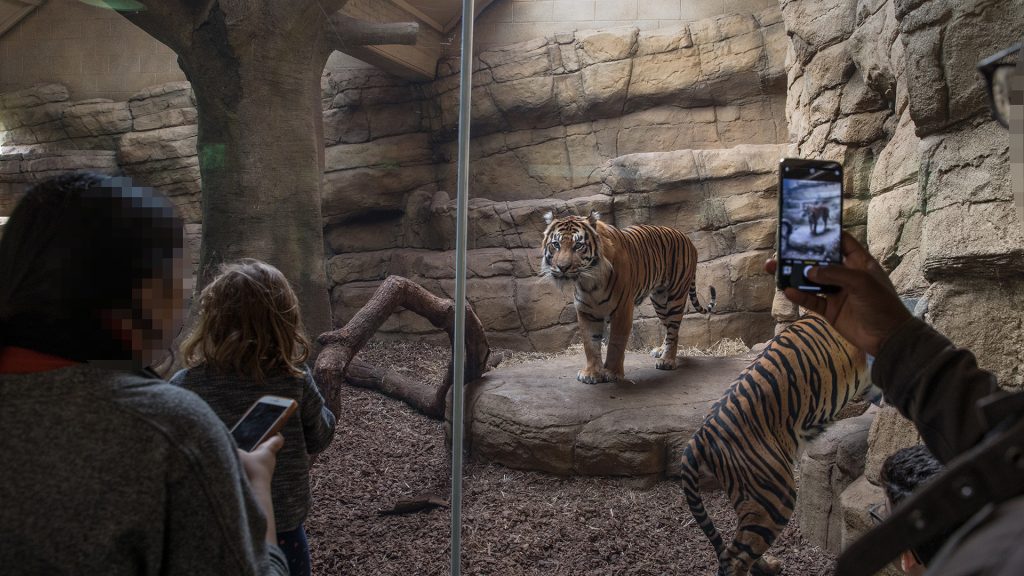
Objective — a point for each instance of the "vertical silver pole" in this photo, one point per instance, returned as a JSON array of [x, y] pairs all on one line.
[[459, 343]]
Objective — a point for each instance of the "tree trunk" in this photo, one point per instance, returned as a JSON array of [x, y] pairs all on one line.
[[334, 366], [259, 150], [255, 69]]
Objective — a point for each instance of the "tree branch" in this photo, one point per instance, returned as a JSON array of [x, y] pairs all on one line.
[[344, 32], [334, 366]]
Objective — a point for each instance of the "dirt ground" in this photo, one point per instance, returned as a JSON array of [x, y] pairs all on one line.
[[514, 522]]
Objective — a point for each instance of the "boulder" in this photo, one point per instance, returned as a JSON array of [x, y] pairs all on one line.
[[860, 129], [35, 167], [870, 47], [543, 303], [899, 160], [161, 144], [740, 281], [96, 118], [970, 227], [889, 217], [597, 46], [537, 416], [962, 240], [889, 432], [163, 106], [36, 95], [704, 331], [993, 331], [830, 463], [517, 61], [784, 309], [856, 500], [943, 42], [818, 24]]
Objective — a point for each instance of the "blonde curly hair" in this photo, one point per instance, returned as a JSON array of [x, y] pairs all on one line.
[[249, 323]]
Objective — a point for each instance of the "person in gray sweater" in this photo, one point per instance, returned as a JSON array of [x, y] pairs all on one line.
[[108, 469], [247, 343]]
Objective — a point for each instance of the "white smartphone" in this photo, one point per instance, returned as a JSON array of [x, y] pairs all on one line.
[[262, 420]]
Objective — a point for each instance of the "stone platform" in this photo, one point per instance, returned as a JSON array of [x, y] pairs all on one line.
[[537, 416]]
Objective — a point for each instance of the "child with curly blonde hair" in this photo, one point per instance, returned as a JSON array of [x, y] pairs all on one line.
[[249, 342]]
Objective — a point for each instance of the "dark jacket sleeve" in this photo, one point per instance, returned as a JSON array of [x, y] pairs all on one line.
[[934, 384], [317, 420]]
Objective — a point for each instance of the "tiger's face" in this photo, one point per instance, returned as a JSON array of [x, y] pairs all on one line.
[[571, 247]]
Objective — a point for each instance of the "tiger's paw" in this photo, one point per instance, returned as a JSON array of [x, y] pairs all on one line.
[[618, 377], [766, 566], [588, 376], [666, 364]]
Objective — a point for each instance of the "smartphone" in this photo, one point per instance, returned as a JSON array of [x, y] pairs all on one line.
[[810, 221], [262, 420]]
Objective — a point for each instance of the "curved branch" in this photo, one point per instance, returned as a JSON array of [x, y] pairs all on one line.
[[334, 366]]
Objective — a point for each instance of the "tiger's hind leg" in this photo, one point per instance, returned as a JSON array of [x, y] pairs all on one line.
[[670, 312], [757, 529]]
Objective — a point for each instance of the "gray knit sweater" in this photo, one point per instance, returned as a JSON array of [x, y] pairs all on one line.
[[112, 472], [308, 431]]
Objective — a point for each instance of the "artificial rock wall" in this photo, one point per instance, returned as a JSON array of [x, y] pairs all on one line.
[[680, 126], [889, 88]]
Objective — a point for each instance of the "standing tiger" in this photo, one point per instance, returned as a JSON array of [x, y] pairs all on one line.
[[815, 212], [614, 270], [750, 439]]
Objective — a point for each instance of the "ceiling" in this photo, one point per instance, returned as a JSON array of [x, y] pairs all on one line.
[[442, 15], [12, 11], [437, 18]]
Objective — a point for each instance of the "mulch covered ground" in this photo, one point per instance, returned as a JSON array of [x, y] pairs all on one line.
[[514, 522]]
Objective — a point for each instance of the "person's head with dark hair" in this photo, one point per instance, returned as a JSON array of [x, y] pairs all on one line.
[[91, 269], [902, 473]]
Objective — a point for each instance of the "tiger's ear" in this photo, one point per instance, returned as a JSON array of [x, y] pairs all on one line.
[[549, 217], [594, 217]]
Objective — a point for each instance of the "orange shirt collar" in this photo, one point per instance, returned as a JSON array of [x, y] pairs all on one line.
[[16, 360]]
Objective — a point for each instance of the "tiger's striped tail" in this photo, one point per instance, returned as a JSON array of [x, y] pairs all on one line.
[[691, 489], [696, 302]]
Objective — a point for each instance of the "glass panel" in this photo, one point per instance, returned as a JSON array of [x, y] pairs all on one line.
[[616, 114]]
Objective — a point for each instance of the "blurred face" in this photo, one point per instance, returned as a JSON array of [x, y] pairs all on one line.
[[158, 309]]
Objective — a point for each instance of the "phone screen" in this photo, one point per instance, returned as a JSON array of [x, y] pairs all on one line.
[[810, 220], [250, 430]]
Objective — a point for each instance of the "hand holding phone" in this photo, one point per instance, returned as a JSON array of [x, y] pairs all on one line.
[[810, 221], [264, 418], [867, 310]]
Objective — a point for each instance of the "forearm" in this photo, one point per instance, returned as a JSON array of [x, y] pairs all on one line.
[[318, 422], [934, 384], [262, 495]]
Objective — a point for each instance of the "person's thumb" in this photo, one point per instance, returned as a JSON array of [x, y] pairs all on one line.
[[272, 444], [843, 277]]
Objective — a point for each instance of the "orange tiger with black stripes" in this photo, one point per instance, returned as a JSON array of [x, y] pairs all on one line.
[[750, 439], [613, 271]]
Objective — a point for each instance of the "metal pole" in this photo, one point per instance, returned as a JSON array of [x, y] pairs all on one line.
[[461, 224]]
